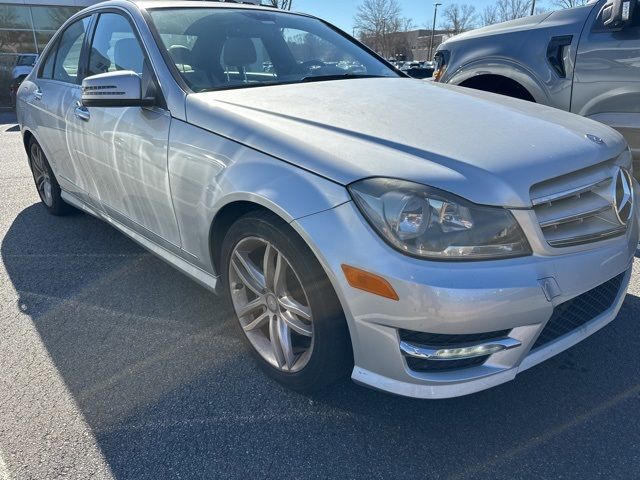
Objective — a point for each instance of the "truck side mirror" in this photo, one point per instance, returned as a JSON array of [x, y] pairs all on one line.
[[618, 13]]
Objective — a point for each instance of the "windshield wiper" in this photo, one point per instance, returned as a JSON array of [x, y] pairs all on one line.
[[340, 76]]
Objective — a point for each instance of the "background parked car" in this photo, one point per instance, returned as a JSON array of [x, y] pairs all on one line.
[[419, 72], [23, 66], [585, 60]]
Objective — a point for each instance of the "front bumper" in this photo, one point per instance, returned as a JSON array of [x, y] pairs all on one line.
[[460, 299]]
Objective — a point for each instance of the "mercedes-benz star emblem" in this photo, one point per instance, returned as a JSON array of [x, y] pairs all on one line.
[[595, 139], [623, 196]]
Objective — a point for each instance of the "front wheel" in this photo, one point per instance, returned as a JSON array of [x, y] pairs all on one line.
[[286, 307], [46, 183]]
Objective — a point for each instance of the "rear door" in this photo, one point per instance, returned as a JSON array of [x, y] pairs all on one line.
[[607, 77], [58, 89]]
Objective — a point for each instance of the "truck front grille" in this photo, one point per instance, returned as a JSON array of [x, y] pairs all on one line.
[[581, 207]]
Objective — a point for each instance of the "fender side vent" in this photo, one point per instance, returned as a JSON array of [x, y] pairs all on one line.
[[555, 53]]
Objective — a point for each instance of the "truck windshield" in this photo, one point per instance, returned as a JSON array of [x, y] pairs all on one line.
[[26, 61], [222, 48]]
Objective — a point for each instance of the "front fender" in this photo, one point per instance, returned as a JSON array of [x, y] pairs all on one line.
[[208, 172], [540, 91]]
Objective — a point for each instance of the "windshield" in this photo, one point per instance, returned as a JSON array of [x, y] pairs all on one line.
[[26, 61], [221, 48]]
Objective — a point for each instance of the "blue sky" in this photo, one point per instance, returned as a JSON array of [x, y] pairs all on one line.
[[341, 12]]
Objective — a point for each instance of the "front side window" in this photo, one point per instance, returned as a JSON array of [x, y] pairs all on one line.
[[220, 48], [67, 55], [114, 46]]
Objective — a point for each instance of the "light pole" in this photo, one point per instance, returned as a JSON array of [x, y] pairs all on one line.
[[435, 14], [533, 7]]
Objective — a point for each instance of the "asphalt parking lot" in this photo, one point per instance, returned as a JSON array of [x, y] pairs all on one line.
[[113, 365]]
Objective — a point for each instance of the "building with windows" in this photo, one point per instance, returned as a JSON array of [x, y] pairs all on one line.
[[25, 28]]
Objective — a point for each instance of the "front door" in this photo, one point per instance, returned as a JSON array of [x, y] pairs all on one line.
[[126, 146], [607, 77]]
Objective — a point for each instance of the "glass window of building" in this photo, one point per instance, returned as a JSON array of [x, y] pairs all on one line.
[[26, 29]]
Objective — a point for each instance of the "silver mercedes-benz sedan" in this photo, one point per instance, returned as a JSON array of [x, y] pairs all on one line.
[[277, 161]]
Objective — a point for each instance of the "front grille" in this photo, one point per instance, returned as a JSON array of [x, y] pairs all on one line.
[[579, 207], [570, 315], [437, 340]]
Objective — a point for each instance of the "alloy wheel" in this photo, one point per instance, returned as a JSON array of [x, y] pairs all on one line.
[[271, 304], [41, 175]]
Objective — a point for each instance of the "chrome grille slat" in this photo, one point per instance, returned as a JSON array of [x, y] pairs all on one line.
[[579, 207], [572, 192], [588, 205], [594, 237]]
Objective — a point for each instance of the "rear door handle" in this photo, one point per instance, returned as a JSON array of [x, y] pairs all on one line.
[[37, 95], [82, 112]]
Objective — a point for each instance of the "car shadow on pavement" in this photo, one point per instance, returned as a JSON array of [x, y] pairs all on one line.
[[155, 366]]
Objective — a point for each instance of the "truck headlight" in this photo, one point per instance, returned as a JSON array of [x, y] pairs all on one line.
[[442, 60], [425, 222]]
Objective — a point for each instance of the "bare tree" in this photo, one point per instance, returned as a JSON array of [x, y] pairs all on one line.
[[378, 22], [512, 9], [568, 3], [459, 18], [282, 4], [490, 15]]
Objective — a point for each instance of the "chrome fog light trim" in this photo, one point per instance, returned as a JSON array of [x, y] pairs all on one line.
[[458, 353]]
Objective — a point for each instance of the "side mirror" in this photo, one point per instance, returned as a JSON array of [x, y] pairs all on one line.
[[114, 89], [618, 13]]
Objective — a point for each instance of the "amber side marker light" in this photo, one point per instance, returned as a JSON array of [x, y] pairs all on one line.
[[369, 282]]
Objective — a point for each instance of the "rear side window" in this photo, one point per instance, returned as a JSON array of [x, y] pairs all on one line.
[[67, 63], [46, 71]]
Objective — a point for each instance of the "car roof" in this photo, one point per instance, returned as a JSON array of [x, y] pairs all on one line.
[[148, 4]]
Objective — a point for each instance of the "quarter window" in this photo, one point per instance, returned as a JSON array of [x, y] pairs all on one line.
[[115, 46], [67, 62]]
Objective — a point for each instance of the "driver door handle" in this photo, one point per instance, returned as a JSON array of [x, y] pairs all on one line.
[[37, 94], [82, 112]]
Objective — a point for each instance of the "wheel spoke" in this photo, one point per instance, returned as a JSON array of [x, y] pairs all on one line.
[[282, 342], [295, 307], [275, 341], [252, 306], [278, 274], [248, 273], [268, 265], [296, 324], [257, 323], [37, 154], [40, 182]]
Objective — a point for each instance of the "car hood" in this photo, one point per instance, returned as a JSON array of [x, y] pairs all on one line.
[[569, 20], [487, 148]]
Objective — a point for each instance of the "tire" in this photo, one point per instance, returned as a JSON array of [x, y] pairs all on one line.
[[46, 183], [301, 286]]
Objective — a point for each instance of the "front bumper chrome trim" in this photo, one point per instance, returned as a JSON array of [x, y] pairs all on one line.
[[458, 352]]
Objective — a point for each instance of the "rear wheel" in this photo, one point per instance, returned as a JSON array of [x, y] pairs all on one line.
[[46, 183], [286, 308]]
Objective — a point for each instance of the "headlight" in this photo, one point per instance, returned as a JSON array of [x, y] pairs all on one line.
[[442, 60], [429, 223]]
